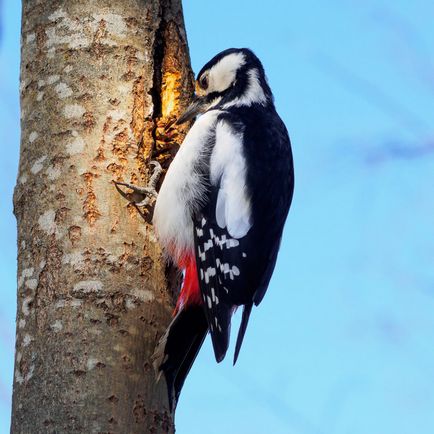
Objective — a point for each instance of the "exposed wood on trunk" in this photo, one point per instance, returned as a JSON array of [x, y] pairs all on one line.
[[98, 81]]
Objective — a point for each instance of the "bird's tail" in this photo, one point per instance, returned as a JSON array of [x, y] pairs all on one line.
[[244, 321], [178, 348]]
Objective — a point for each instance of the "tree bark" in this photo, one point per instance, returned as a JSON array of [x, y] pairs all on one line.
[[99, 79]]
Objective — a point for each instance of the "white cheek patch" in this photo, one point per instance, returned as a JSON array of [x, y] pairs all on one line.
[[222, 74], [253, 94]]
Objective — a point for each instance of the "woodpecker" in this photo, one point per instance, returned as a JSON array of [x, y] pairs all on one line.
[[221, 209]]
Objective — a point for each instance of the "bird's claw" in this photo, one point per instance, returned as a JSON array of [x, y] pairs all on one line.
[[142, 196], [156, 173]]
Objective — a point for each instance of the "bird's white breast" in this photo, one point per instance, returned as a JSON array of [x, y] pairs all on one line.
[[183, 190]]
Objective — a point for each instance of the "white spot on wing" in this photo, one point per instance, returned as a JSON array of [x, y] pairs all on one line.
[[210, 271], [201, 254], [207, 245], [232, 243]]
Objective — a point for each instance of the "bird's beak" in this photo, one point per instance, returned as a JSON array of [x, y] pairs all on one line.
[[198, 106]]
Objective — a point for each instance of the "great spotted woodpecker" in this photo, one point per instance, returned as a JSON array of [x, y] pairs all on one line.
[[221, 209]]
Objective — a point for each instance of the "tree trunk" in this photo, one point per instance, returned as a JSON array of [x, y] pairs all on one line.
[[98, 80]]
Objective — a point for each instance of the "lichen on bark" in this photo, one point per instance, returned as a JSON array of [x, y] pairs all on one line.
[[99, 81]]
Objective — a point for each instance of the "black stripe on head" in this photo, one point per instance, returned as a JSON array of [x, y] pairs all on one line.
[[241, 82]]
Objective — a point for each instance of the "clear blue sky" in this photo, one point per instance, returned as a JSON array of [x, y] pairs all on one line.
[[343, 343]]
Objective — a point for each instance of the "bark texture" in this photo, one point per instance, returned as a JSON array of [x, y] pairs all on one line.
[[99, 79]]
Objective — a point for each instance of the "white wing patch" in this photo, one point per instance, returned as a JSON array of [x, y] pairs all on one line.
[[228, 165]]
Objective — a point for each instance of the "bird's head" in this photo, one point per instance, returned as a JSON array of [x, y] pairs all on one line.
[[234, 77]]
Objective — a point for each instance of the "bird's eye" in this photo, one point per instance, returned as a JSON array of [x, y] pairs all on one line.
[[203, 82]]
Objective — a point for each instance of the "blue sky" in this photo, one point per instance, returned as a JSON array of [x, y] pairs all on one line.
[[343, 343]]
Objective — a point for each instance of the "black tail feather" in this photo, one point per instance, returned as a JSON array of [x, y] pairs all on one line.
[[244, 321], [220, 331], [178, 349]]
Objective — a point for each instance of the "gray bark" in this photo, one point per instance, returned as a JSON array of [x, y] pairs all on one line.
[[99, 79]]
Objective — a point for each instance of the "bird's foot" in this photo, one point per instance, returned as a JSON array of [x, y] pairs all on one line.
[[142, 196]]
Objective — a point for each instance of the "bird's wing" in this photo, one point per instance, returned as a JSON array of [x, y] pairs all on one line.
[[219, 264], [238, 230], [230, 261]]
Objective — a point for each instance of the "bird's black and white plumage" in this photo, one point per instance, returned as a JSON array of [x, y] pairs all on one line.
[[222, 207]]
